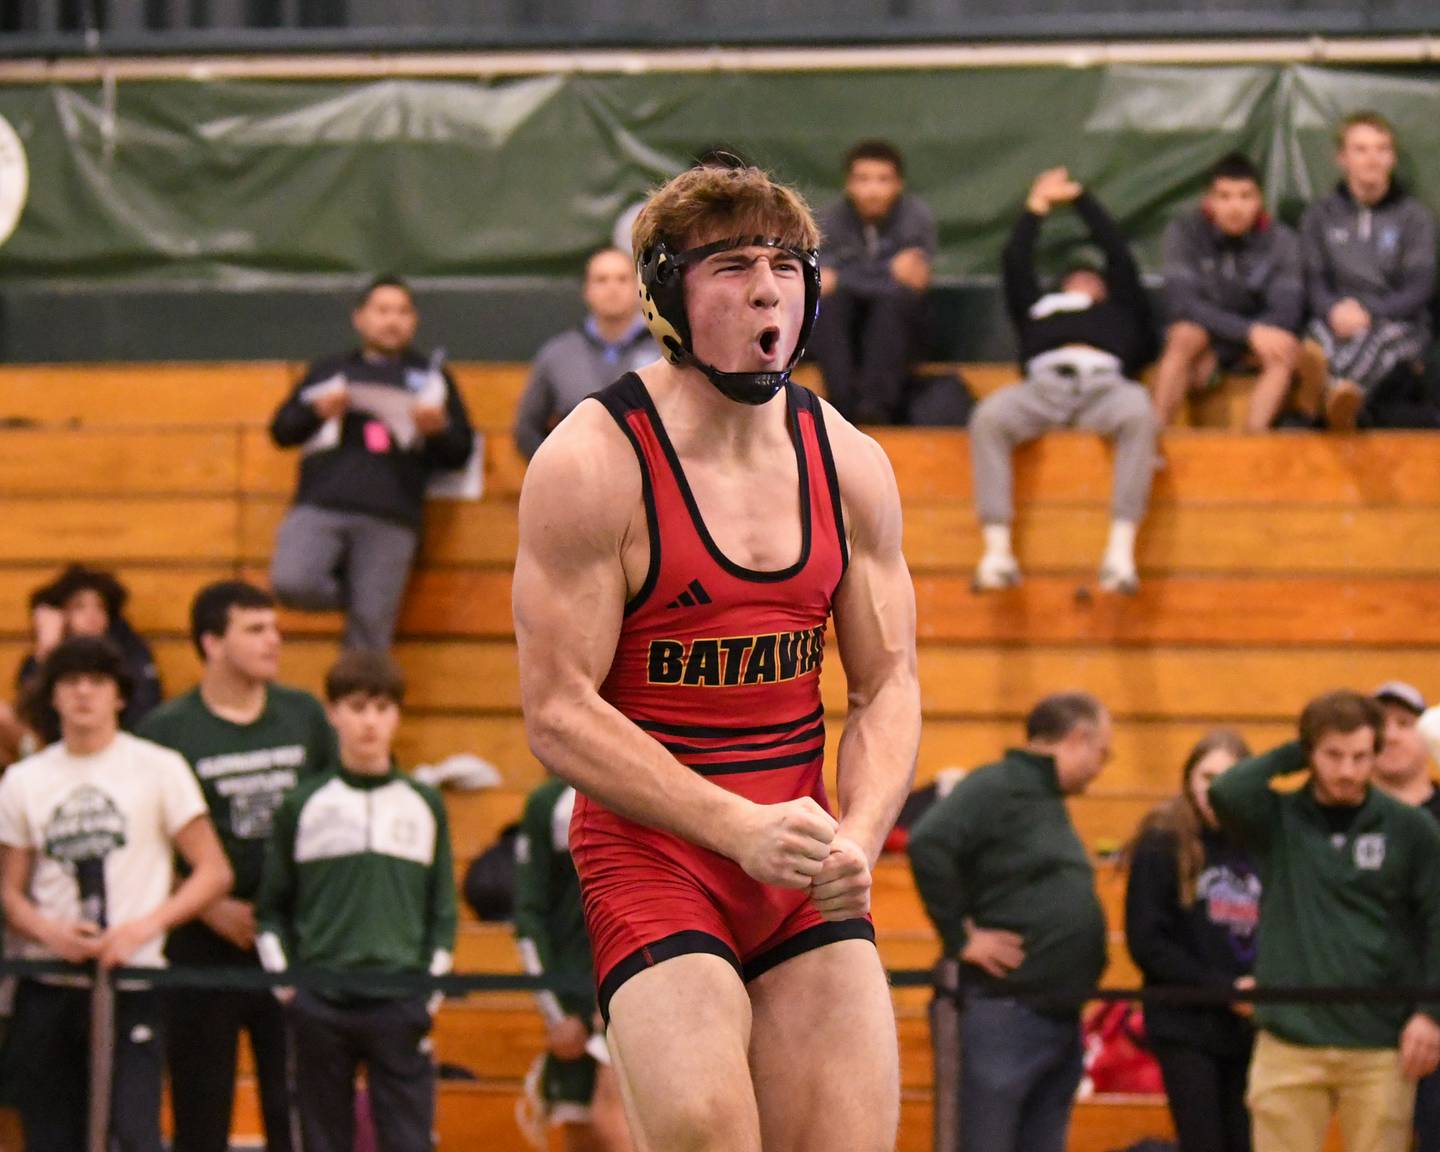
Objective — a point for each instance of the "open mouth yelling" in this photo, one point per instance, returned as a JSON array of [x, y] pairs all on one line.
[[768, 342]]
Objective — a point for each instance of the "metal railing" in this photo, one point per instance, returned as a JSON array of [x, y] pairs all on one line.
[[945, 979]]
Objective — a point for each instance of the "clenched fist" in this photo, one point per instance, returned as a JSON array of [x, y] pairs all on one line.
[[786, 844], [841, 889]]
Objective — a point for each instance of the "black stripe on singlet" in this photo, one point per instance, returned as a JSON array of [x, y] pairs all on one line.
[[812, 404], [812, 733], [627, 395], [702, 731], [768, 764]]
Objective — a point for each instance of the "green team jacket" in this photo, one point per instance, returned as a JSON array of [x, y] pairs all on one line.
[[358, 877], [1359, 908], [1000, 849], [549, 917]]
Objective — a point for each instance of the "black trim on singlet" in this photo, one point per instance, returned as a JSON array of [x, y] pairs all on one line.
[[738, 571], [618, 399], [773, 742], [685, 943], [712, 732], [832, 478], [807, 941], [768, 764]]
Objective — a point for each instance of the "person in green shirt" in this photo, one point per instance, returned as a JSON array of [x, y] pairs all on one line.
[[359, 879], [249, 741], [1350, 881], [572, 1086], [1011, 890]]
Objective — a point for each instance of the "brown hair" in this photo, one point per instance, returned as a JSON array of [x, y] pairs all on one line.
[[366, 673], [1344, 712], [1179, 816], [881, 150], [1367, 119], [77, 656], [709, 202]]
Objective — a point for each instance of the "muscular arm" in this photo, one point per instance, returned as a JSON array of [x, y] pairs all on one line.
[[569, 598], [874, 612]]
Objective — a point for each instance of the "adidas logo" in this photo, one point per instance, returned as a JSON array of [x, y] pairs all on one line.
[[694, 594]]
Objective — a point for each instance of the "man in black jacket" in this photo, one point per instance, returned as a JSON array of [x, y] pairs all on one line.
[[373, 425], [1081, 348]]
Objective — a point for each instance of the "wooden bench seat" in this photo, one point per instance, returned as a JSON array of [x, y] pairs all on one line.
[[1198, 685], [1147, 754]]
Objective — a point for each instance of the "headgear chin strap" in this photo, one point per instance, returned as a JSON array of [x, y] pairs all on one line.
[[662, 295]]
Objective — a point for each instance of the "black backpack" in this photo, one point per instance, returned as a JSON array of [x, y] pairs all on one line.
[[489, 886]]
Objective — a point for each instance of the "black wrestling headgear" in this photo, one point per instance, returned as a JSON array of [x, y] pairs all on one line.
[[662, 296]]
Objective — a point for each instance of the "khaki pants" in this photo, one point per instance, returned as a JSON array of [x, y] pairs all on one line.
[[1294, 1089]]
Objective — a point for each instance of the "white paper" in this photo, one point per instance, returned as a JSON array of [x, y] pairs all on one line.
[[467, 483]]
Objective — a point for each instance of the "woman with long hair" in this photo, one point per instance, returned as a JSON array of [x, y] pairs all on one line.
[[1191, 912]]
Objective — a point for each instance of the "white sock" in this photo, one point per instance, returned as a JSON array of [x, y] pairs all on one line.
[[1120, 549], [997, 541]]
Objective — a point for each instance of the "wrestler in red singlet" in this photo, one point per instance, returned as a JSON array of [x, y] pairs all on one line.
[[721, 665]]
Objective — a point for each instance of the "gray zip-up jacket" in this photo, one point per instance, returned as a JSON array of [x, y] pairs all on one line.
[[1227, 283], [861, 253], [1383, 256], [567, 369]]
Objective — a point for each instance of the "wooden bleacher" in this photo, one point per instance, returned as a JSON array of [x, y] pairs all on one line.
[[1274, 568]]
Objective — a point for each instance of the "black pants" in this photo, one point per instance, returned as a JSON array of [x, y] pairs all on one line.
[[1207, 1097], [866, 346], [48, 1051], [390, 1038], [204, 1028], [1427, 1114]]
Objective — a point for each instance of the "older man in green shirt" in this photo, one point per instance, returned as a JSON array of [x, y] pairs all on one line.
[[1011, 890]]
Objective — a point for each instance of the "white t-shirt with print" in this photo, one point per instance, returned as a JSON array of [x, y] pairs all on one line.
[[113, 814]]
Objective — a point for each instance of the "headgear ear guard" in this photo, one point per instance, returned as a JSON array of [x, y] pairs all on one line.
[[662, 296]]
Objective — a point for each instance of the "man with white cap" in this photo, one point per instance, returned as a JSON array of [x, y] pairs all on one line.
[[1403, 766], [1403, 770]]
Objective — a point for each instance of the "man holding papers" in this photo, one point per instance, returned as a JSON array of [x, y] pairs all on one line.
[[373, 425]]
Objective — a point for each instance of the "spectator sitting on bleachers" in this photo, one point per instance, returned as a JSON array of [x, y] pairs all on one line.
[[1234, 293], [612, 340], [1192, 905], [1082, 348], [85, 601], [91, 827], [879, 244], [358, 879], [1403, 770], [373, 425], [1010, 888], [1351, 898], [249, 741], [1369, 270], [575, 1087]]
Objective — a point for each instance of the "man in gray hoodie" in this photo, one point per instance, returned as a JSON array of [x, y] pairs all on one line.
[[1369, 270], [1234, 293]]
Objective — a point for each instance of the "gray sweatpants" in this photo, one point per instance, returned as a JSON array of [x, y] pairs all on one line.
[[1117, 408], [326, 560]]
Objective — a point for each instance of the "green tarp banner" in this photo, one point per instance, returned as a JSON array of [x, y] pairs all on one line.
[[266, 182]]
